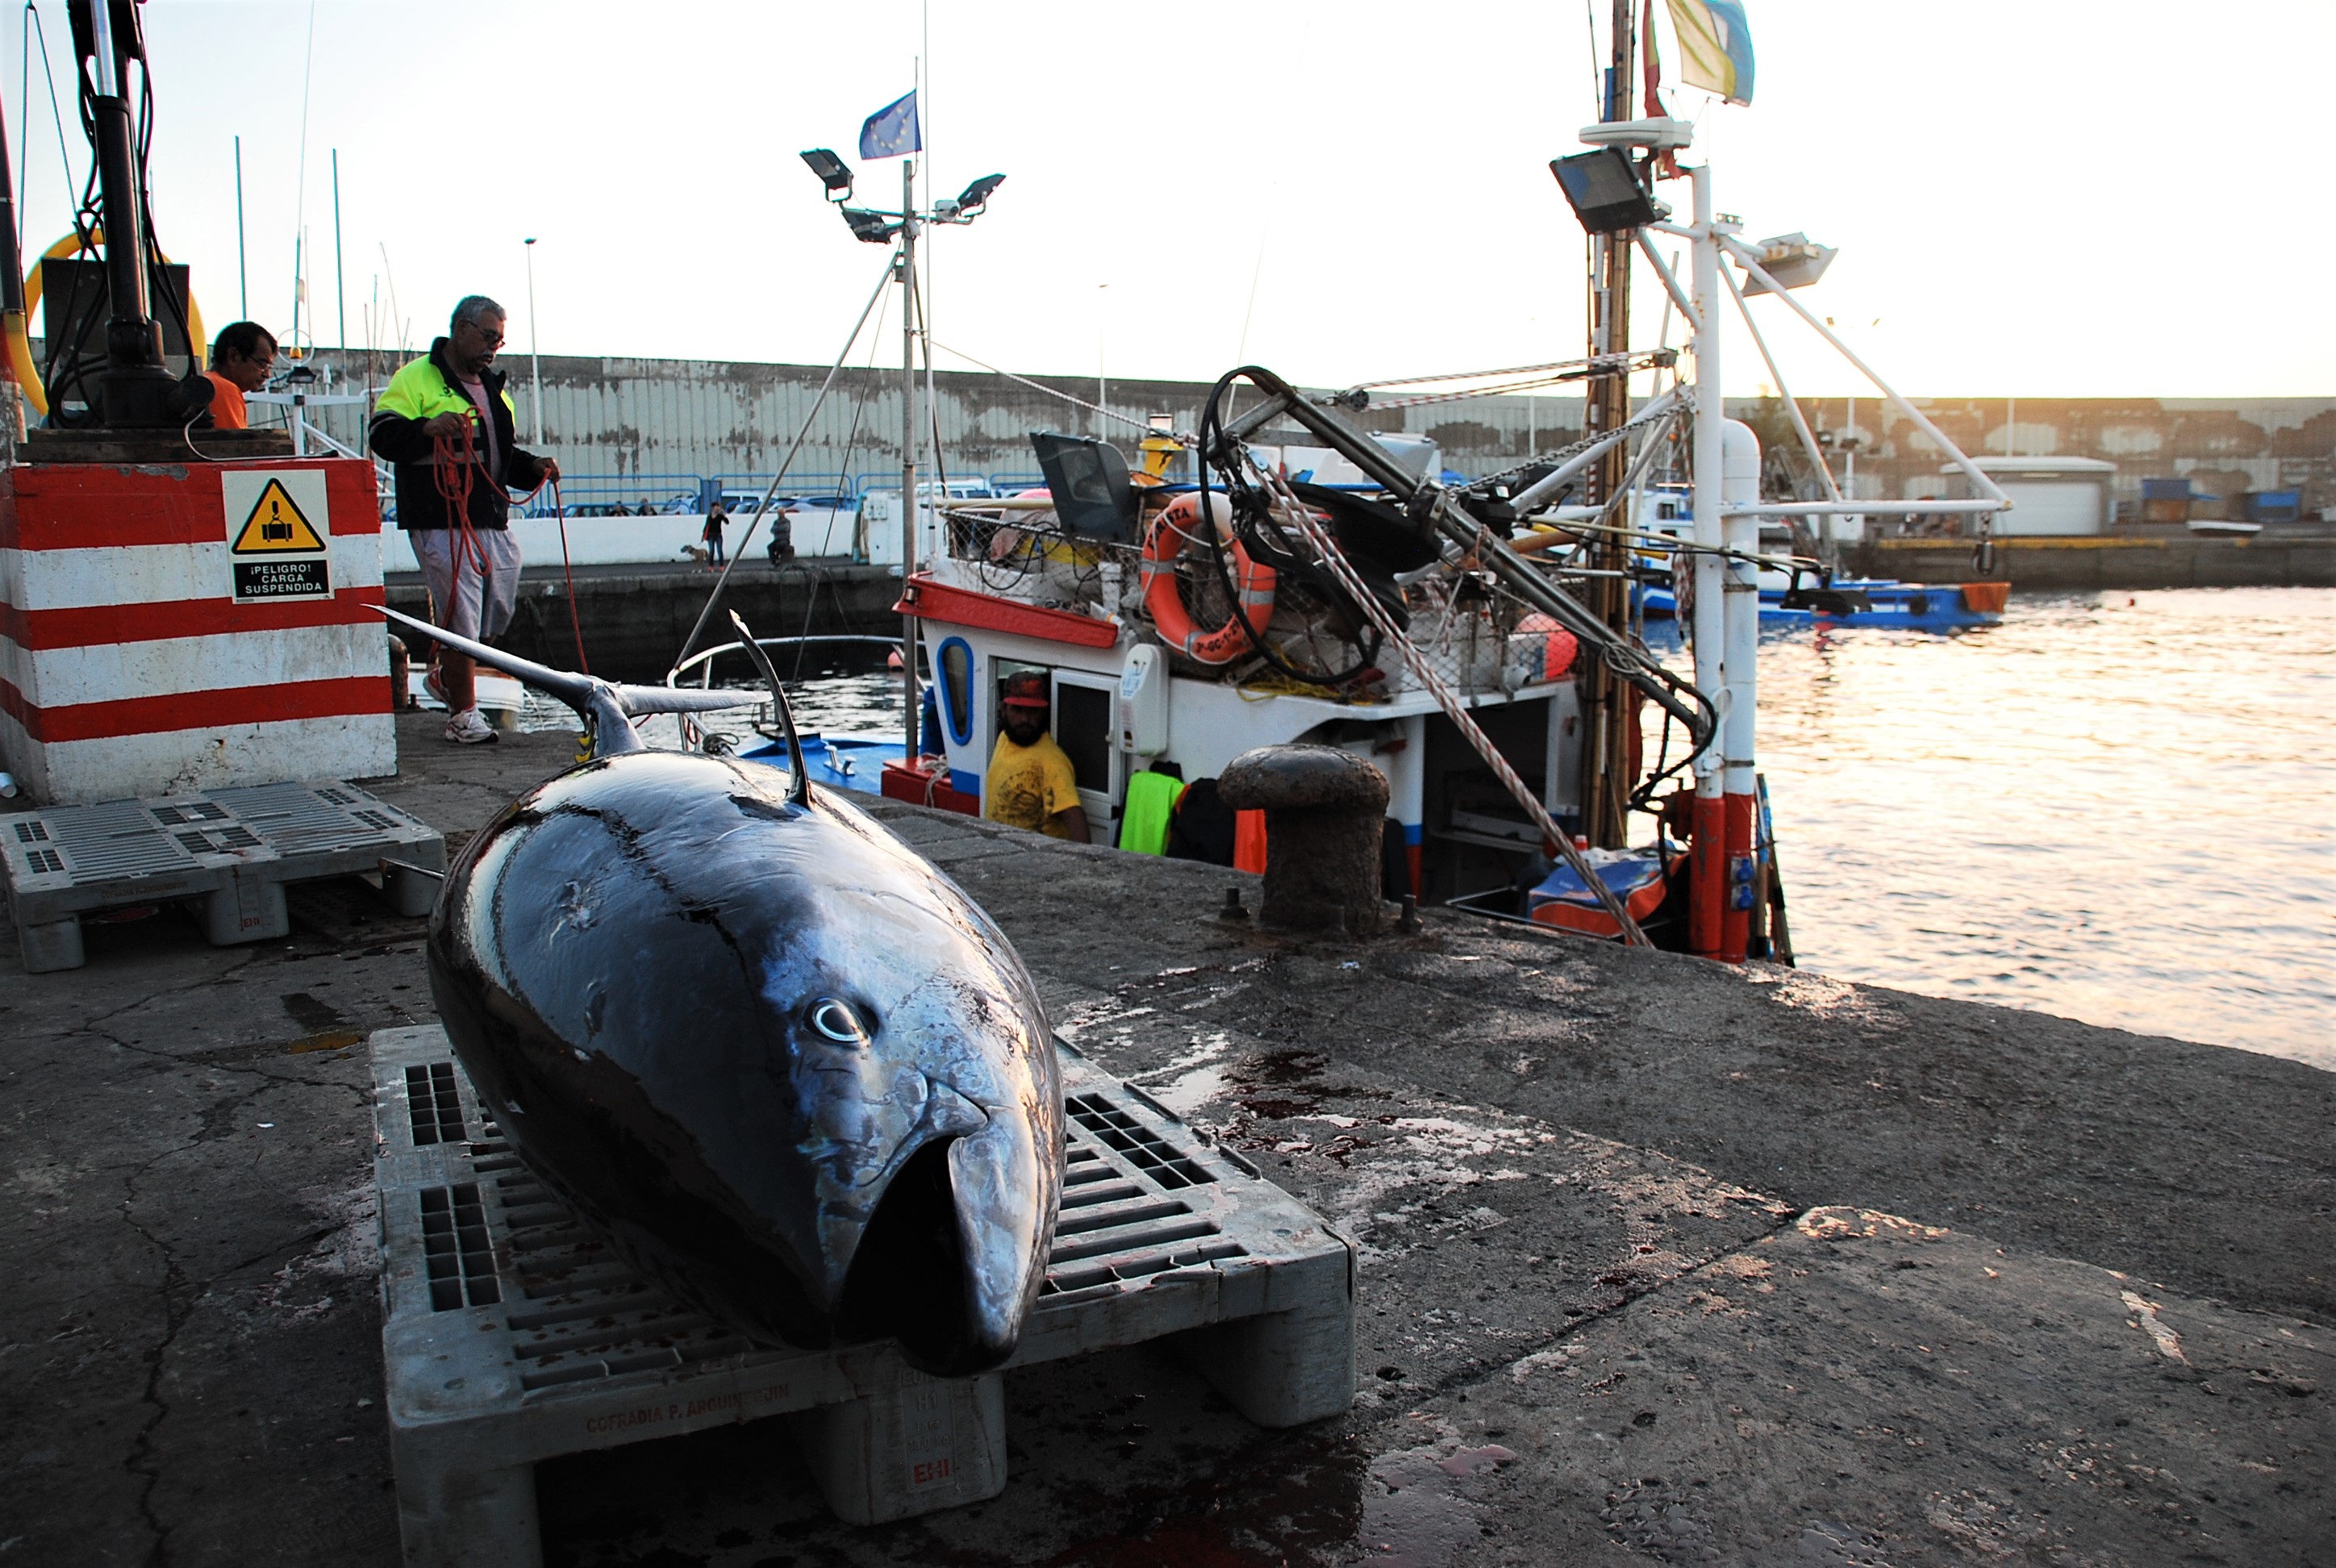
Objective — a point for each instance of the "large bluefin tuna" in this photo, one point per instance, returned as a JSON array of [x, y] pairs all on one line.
[[780, 1060]]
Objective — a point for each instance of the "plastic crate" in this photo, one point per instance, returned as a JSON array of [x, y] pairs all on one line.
[[513, 1334], [231, 850]]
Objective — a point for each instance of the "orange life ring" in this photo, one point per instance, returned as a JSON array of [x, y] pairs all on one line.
[[1176, 529]]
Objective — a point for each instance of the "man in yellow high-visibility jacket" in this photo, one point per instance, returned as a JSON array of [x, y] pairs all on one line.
[[471, 562]]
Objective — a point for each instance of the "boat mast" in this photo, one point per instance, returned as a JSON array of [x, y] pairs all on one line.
[[1607, 712], [908, 444]]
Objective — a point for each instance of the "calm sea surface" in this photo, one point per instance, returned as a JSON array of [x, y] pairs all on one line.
[[2115, 807]]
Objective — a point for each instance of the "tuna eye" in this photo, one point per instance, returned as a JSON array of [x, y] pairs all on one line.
[[838, 1022]]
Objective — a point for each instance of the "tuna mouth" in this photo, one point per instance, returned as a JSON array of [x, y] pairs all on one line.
[[909, 1278]]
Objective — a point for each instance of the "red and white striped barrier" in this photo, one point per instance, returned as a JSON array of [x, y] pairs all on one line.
[[166, 627]]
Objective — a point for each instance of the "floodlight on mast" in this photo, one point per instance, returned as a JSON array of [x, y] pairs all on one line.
[[968, 204], [832, 172]]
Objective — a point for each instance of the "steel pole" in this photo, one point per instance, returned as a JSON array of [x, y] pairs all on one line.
[[1607, 712], [1740, 482], [12, 296], [340, 271], [1705, 878], [135, 390], [534, 348], [908, 448], [242, 272]]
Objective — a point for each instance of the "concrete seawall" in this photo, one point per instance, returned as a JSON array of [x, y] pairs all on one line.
[[2110, 561], [634, 618], [1660, 1261], [631, 429]]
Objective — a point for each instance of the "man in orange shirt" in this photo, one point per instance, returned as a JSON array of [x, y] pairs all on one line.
[[240, 360]]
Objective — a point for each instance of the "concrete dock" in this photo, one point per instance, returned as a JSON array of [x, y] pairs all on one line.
[[1660, 1261]]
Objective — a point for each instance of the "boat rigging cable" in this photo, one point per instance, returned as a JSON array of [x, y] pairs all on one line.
[[1556, 374], [1326, 551], [1598, 365], [1094, 408], [1556, 468], [1430, 508], [762, 509], [1784, 390], [32, 24]]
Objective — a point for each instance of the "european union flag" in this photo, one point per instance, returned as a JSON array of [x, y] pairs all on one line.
[[891, 131]]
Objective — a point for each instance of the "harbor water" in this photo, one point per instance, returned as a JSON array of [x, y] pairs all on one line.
[[2118, 807]]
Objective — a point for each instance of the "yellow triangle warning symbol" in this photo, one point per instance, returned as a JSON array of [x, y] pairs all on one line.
[[276, 523]]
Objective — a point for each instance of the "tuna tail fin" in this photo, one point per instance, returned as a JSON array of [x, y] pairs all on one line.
[[799, 788], [604, 706]]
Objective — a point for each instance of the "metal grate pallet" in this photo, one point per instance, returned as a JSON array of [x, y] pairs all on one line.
[[232, 849], [513, 1334]]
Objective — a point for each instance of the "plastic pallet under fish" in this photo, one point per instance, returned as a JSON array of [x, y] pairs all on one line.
[[231, 850], [513, 1334]]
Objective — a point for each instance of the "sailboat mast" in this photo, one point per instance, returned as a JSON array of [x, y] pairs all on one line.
[[1608, 714]]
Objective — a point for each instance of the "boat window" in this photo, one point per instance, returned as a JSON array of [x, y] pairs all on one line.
[[953, 661], [1083, 729]]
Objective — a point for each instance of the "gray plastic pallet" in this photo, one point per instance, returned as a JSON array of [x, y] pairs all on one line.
[[513, 1334], [232, 849]]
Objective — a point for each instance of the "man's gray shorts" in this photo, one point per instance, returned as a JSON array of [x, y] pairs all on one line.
[[463, 600]]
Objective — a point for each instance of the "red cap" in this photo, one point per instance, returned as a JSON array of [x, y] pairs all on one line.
[[1026, 690]]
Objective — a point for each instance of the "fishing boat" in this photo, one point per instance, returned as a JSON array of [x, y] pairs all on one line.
[[1282, 575]]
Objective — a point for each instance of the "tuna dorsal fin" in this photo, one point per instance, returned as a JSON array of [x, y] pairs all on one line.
[[799, 789]]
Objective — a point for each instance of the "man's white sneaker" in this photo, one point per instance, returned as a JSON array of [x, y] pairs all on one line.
[[467, 728], [435, 686]]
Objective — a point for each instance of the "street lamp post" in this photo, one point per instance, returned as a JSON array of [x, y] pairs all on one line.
[[879, 228], [534, 351]]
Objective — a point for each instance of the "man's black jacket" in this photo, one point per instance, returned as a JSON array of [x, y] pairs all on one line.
[[416, 394]]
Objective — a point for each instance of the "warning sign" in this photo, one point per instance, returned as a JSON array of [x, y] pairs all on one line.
[[278, 534], [277, 526]]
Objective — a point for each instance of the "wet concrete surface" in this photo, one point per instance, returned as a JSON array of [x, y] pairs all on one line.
[[1629, 1290]]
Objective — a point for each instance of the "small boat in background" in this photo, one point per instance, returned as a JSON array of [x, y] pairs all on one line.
[[1863, 601], [1806, 592]]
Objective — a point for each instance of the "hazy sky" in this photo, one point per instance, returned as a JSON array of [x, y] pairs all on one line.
[[2038, 197]]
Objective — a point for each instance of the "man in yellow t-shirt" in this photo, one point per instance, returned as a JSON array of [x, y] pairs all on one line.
[[1031, 784]]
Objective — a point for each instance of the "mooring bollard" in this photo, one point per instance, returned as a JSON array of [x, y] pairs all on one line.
[[1325, 815]]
